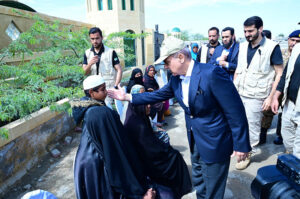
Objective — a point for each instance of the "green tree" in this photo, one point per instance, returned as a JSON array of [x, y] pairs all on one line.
[[197, 36], [185, 35], [46, 79]]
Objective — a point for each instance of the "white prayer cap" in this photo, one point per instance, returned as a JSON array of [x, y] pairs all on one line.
[[92, 81]]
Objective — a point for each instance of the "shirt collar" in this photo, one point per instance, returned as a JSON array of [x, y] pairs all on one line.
[[262, 41], [209, 46], [189, 71], [232, 45]]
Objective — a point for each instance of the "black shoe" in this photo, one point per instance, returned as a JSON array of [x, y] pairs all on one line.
[[278, 141], [263, 136]]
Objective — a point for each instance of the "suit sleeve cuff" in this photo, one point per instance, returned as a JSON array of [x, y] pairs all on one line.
[[129, 98]]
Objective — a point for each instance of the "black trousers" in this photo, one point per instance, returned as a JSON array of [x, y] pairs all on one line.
[[209, 179]]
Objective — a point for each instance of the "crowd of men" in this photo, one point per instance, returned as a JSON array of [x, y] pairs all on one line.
[[229, 93], [256, 67]]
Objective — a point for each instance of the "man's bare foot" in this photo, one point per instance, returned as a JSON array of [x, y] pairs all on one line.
[[150, 194]]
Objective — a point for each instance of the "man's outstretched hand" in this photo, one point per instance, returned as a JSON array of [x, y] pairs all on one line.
[[118, 94], [240, 156], [150, 194]]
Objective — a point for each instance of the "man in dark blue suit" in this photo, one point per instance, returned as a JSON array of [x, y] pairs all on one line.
[[215, 117], [226, 56]]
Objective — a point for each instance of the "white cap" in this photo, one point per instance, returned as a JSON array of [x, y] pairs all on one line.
[[92, 81], [170, 45]]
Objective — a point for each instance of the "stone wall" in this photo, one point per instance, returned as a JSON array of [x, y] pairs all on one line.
[[20, 153]]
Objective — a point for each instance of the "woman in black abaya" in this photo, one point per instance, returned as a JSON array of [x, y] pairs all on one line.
[[162, 164], [136, 78]]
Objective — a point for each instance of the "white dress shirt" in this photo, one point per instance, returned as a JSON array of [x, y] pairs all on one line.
[[185, 83]]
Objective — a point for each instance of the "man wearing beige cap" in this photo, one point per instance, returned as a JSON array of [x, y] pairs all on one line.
[[215, 117]]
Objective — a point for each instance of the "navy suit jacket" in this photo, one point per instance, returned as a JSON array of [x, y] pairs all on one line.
[[215, 117], [232, 60]]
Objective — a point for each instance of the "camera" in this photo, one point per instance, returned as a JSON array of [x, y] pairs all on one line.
[[280, 181]]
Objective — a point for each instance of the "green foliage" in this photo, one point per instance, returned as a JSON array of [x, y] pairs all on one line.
[[31, 88], [185, 35], [65, 107], [3, 133], [54, 75], [197, 37], [53, 40], [118, 40], [46, 79]]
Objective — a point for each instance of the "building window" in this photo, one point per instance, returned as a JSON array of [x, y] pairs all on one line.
[[109, 4], [131, 4], [100, 5], [123, 4], [12, 31]]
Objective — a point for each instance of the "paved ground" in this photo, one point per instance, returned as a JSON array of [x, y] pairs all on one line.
[[238, 183], [56, 174]]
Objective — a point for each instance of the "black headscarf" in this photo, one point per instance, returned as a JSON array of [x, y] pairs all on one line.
[[150, 82], [106, 164], [135, 80], [163, 164]]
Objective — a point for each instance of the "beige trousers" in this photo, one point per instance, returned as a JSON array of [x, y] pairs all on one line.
[[290, 128], [254, 114]]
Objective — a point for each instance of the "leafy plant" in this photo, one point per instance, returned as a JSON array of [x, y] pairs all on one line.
[[3, 133], [54, 75]]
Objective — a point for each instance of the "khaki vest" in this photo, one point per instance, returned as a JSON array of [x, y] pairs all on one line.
[[289, 72], [256, 80], [106, 69], [204, 50], [285, 56]]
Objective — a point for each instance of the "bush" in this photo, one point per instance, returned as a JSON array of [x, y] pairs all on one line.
[[54, 75]]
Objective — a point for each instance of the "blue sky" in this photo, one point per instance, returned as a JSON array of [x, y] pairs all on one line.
[[195, 16]]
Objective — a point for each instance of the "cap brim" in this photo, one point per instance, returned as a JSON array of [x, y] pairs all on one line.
[[160, 59]]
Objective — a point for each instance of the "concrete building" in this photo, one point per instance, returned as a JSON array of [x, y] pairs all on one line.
[[176, 32], [109, 15], [121, 16]]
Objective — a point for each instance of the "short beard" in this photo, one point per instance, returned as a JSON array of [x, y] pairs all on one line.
[[98, 46], [227, 46], [212, 42], [254, 37]]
